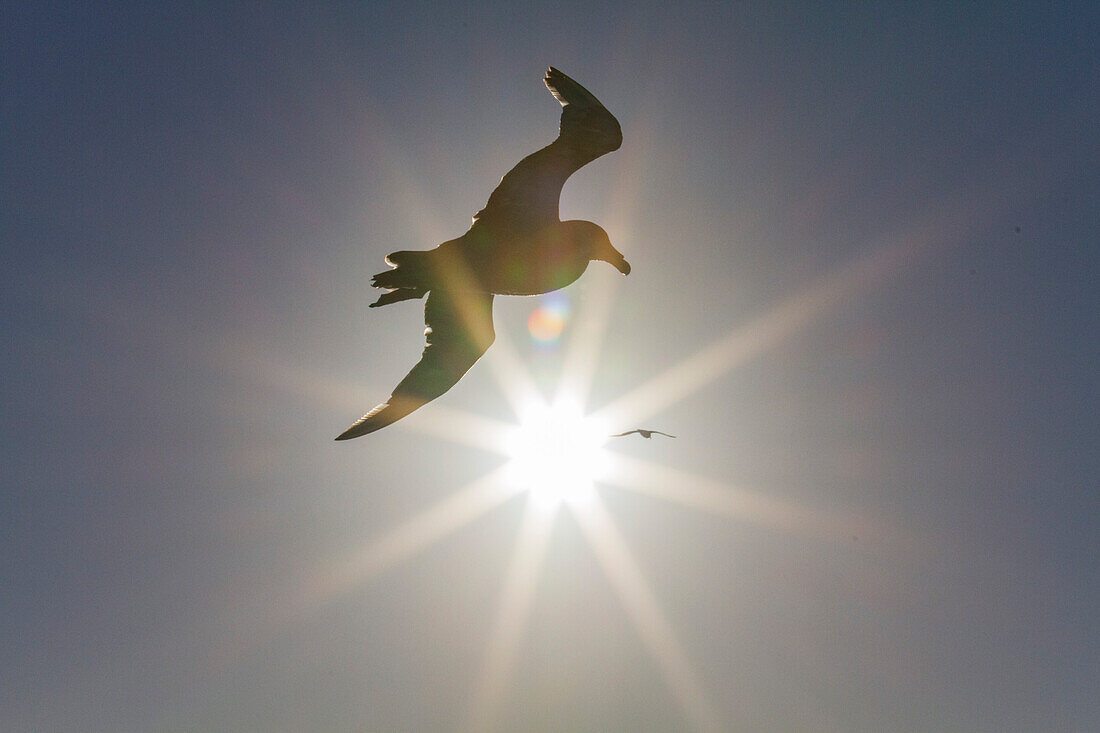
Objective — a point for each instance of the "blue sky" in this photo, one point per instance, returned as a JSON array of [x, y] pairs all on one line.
[[864, 249]]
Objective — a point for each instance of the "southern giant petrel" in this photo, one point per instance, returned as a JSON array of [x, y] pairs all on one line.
[[517, 245]]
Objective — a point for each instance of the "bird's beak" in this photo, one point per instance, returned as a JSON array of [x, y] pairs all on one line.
[[622, 265]]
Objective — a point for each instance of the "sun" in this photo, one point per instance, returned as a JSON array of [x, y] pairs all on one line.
[[557, 454]]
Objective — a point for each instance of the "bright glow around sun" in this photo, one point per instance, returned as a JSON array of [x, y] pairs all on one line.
[[557, 454]]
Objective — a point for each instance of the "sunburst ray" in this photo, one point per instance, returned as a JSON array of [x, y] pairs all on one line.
[[512, 613], [746, 342], [645, 613], [410, 537], [751, 507]]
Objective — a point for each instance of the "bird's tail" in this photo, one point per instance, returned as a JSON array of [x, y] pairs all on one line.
[[408, 279]]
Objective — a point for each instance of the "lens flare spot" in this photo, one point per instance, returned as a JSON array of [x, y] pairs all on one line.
[[546, 322]]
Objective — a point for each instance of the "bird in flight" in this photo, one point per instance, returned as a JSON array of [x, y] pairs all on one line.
[[517, 245], [647, 434]]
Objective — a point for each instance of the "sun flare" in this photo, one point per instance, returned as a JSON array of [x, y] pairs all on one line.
[[557, 454]]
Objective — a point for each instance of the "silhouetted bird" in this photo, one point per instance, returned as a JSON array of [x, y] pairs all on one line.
[[644, 433], [517, 245]]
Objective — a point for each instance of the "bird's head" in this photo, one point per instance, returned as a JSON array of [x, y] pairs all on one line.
[[596, 245]]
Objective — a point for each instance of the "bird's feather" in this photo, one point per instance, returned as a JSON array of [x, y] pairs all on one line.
[[529, 193], [459, 330]]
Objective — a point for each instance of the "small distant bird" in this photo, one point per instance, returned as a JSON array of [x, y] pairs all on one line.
[[644, 433], [517, 245]]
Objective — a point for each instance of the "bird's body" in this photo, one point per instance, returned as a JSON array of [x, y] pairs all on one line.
[[534, 261], [647, 434], [517, 245]]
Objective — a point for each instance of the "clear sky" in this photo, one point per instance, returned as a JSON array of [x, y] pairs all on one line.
[[865, 242]]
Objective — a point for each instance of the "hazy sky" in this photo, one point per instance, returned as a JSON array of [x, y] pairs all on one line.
[[865, 242]]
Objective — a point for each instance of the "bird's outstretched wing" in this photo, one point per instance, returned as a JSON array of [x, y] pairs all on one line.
[[459, 330], [643, 432], [528, 194]]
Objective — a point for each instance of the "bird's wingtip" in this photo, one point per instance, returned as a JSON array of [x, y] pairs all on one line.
[[553, 79], [365, 424], [353, 432], [357, 430]]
